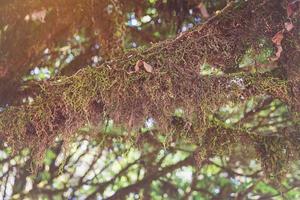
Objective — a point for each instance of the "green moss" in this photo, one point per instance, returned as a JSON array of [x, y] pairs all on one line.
[[85, 87], [115, 91], [274, 155]]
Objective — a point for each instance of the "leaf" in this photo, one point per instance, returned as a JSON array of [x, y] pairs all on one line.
[[278, 53], [39, 16], [3, 71], [138, 65], [289, 10], [146, 66], [277, 39], [289, 26], [203, 10], [292, 7]]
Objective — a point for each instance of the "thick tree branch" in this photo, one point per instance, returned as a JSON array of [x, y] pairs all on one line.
[[154, 82]]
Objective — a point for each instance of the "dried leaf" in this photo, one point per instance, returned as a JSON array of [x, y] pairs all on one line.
[[203, 10], [138, 65], [3, 71], [289, 10], [148, 67], [289, 26], [39, 16], [292, 7], [278, 53], [278, 37]]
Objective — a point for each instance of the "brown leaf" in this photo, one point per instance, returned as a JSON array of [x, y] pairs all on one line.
[[148, 67], [289, 26], [39, 16], [292, 7], [137, 66], [3, 71], [278, 37], [278, 53], [203, 10], [289, 10]]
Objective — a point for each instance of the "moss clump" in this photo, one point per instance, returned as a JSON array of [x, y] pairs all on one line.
[[89, 85], [274, 154]]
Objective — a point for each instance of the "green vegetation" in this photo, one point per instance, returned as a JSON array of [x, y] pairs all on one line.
[[163, 104]]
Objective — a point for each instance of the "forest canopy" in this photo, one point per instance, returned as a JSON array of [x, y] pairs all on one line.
[[151, 99]]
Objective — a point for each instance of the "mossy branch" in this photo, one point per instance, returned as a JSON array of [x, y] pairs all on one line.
[[116, 90]]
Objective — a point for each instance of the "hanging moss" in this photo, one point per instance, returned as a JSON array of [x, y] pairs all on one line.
[[117, 90]]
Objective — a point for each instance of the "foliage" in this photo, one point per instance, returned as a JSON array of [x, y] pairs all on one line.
[[217, 103]]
